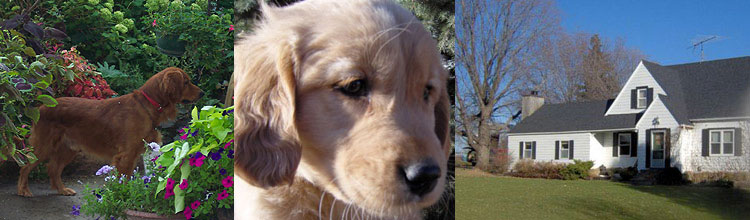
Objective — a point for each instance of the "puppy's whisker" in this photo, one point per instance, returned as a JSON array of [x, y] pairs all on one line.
[[401, 31]]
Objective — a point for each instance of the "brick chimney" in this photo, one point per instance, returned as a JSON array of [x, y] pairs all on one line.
[[530, 102]]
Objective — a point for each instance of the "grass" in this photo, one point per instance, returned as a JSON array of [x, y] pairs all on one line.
[[483, 196]]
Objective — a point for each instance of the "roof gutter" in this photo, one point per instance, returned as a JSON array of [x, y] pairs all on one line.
[[568, 132], [720, 119]]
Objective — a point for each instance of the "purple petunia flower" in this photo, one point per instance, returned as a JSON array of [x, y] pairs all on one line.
[[76, 210], [215, 156], [194, 133], [221, 150], [104, 170], [223, 171], [231, 154], [146, 179]]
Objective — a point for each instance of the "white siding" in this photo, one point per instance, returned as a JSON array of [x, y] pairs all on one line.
[[601, 152], [545, 145], [698, 163], [657, 109], [640, 77]]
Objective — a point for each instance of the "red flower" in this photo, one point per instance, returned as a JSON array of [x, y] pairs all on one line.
[[231, 27], [228, 181], [153, 23]]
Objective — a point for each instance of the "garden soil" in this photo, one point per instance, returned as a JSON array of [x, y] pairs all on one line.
[[46, 203]]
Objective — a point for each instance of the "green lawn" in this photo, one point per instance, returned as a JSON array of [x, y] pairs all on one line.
[[491, 197]]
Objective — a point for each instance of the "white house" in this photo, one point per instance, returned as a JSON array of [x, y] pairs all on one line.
[[693, 116]]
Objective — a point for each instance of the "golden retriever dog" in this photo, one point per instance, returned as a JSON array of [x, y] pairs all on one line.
[[112, 129], [342, 112]]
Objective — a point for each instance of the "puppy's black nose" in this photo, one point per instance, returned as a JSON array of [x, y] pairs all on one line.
[[200, 95], [421, 177]]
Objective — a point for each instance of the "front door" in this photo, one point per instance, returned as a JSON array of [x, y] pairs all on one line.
[[658, 148]]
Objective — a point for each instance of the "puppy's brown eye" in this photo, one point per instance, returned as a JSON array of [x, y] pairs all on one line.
[[427, 91], [354, 88]]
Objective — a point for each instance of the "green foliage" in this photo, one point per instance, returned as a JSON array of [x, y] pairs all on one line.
[[119, 81], [27, 80], [118, 194], [204, 158], [577, 170]]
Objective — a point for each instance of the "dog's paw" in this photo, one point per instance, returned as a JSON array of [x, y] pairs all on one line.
[[25, 192], [67, 192]]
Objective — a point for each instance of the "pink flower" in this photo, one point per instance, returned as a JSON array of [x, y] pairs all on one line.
[[184, 184], [168, 193], [153, 23], [188, 213], [228, 181], [229, 144], [170, 183], [197, 161], [231, 27], [195, 204], [184, 137], [223, 195]]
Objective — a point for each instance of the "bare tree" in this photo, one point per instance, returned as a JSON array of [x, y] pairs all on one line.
[[563, 67], [494, 41]]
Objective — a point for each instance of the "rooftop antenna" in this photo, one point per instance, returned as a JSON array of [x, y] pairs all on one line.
[[698, 42]]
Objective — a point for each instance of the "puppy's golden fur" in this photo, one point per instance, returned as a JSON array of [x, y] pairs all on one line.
[[307, 150], [111, 129]]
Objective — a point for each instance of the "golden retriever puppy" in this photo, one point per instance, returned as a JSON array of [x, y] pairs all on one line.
[[342, 112], [111, 129]]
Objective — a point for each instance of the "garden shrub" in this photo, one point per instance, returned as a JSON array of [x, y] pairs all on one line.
[[626, 174], [27, 80], [726, 179], [500, 161], [577, 170], [669, 176], [531, 169]]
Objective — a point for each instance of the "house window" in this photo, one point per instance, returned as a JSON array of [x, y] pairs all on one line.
[[722, 142], [624, 140], [642, 98], [565, 149], [527, 150]]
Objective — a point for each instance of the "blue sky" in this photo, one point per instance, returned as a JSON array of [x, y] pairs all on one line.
[[664, 30]]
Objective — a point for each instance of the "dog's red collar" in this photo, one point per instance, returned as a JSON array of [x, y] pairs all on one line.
[[154, 103]]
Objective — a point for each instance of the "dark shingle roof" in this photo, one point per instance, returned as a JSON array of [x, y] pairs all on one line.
[[574, 117], [714, 89], [709, 89]]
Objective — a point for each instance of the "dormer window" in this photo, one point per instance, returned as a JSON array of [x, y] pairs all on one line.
[[642, 98]]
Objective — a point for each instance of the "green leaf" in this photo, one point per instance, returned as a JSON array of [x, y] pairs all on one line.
[[29, 51], [41, 85], [32, 113], [36, 65], [194, 113], [47, 100], [179, 199], [69, 74]]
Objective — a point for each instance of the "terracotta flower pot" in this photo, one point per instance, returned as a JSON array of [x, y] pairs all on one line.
[[171, 45], [138, 215]]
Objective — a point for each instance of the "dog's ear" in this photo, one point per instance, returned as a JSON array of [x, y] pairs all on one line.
[[171, 84], [266, 143], [442, 125]]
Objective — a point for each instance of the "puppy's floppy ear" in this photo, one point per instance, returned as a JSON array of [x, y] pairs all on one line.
[[266, 141], [442, 125], [171, 84]]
